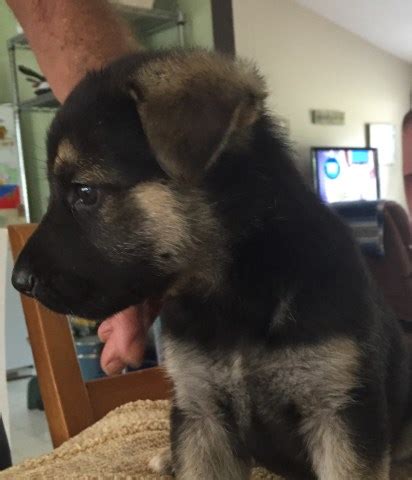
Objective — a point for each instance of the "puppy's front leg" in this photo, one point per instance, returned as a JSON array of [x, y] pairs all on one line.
[[203, 450], [335, 456]]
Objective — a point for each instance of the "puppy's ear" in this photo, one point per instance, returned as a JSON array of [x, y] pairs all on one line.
[[193, 106]]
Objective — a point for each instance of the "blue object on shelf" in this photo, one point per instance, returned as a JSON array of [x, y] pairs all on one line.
[[88, 353], [157, 338]]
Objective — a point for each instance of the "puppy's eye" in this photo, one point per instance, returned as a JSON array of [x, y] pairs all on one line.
[[85, 196]]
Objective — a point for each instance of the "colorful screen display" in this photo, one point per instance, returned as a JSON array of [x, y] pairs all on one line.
[[346, 174]]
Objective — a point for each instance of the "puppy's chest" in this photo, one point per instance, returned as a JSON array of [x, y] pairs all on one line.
[[204, 380], [258, 381]]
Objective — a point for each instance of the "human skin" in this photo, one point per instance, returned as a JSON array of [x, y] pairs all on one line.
[[70, 38]]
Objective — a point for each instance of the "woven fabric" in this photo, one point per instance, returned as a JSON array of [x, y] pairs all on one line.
[[118, 447]]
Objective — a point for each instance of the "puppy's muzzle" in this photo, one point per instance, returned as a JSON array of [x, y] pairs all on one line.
[[24, 280]]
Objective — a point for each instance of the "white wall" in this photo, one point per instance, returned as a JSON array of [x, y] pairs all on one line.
[[310, 63], [198, 29], [199, 25]]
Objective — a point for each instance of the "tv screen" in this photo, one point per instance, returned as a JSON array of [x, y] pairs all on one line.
[[345, 174]]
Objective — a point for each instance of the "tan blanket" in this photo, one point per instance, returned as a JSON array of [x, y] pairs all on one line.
[[118, 447]]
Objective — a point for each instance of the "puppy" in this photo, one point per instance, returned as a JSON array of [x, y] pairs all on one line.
[[168, 179]]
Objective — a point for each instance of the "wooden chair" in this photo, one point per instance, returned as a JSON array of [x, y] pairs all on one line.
[[71, 404]]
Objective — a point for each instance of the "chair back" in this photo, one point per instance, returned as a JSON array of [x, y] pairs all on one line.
[[393, 271]]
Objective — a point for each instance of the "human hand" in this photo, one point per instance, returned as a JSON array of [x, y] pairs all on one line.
[[124, 335]]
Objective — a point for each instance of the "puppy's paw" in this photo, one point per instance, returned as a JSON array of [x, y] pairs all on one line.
[[162, 462]]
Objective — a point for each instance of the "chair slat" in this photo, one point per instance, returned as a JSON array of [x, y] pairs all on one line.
[[108, 393]]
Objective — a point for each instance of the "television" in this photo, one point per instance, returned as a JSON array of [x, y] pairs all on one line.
[[343, 174]]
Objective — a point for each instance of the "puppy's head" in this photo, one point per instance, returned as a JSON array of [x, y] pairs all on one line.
[[128, 154]]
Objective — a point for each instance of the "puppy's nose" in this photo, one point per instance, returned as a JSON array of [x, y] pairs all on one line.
[[24, 281]]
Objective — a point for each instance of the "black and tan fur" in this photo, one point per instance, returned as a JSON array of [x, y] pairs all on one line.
[[277, 341]]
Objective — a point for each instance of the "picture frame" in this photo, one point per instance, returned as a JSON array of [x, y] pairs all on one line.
[[382, 136]]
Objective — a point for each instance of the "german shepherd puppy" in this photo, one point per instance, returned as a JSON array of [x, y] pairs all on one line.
[[168, 179]]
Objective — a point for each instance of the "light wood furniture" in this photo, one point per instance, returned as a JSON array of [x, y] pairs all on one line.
[[71, 404]]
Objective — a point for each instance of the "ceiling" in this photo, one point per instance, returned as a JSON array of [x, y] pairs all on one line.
[[384, 23]]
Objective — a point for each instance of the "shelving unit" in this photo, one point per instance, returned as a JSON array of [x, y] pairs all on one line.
[[144, 22], [43, 102], [150, 22]]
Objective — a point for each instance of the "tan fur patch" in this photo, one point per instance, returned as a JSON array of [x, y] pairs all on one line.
[[84, 171], [333, 454], [165, 220], [319, 377], [204, 452], [184, 233], [402, 450], [204, 449], [162, 462], [198, 378], [94, 174], [230, 76], [67, 155]]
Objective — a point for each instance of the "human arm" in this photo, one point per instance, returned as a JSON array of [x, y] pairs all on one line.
[[71, 37]]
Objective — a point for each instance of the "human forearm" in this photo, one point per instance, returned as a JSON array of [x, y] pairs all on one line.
[[71, 37]]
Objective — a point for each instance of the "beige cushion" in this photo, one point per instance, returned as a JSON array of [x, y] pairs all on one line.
[[117, 447]]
